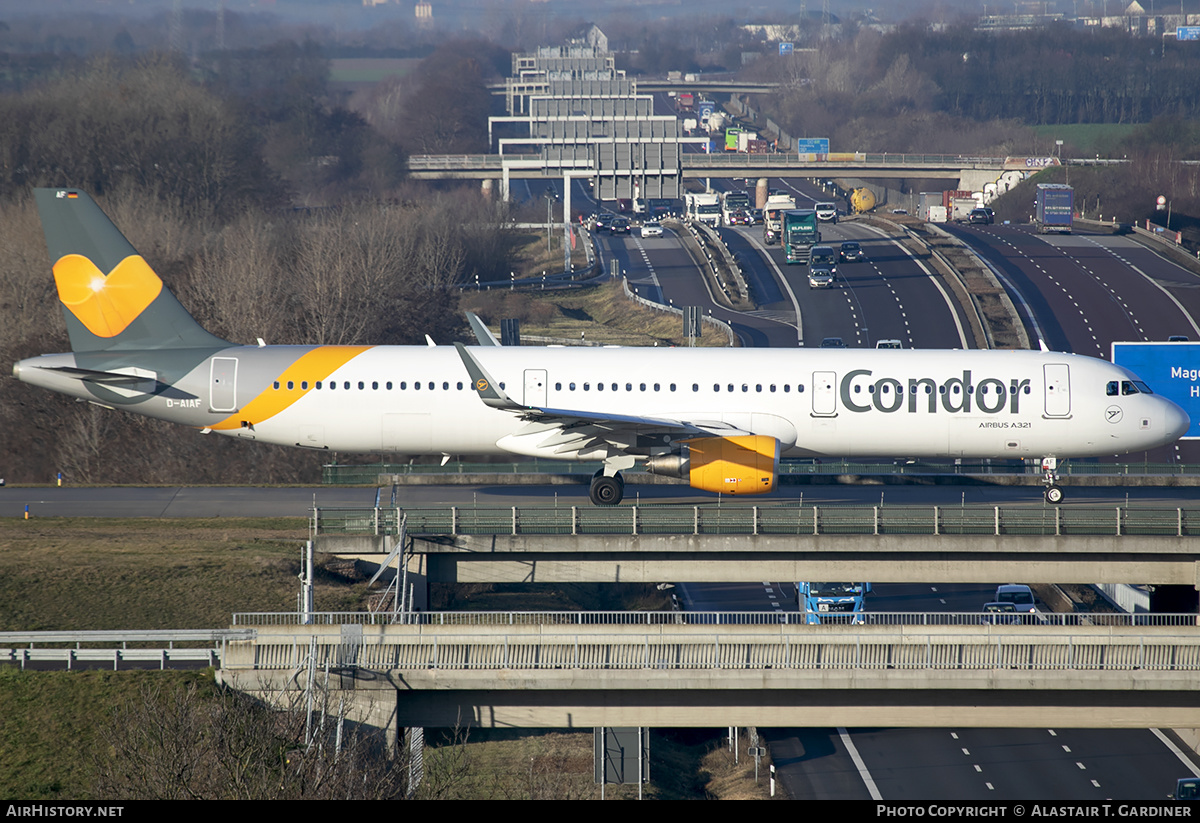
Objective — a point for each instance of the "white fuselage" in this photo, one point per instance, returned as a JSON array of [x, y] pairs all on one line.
[[816, 402]]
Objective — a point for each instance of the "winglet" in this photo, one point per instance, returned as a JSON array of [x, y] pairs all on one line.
[[482, 333], [488, 389]]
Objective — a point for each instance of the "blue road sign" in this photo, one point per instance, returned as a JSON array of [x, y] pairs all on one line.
[[1170, 369], [812, 145], [785, 49], [1187, 32]]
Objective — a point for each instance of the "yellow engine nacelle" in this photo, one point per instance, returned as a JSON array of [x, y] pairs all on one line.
[[862, 200], [730, 465]]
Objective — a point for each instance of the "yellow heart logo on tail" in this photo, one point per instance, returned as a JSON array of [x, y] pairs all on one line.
[[106, 305]]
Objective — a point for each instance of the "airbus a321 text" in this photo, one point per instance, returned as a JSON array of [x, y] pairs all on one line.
[[720, 418]]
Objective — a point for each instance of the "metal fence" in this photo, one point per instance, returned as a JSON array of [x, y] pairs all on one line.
[[163, 648], [782, 519], [369, 473], [790, 159], [671, 618]]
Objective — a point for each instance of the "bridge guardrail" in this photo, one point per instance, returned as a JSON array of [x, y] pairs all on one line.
[[69, 648], [672, 618], [368, 473], [780, 519], [459, 162], [928, 651]]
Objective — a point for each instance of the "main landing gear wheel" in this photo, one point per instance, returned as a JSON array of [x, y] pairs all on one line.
[[1054, 494], [607, 491]]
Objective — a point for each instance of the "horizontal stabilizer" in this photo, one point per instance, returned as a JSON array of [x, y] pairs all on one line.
[[107, 377]]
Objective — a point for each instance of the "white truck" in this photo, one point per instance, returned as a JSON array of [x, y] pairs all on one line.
[[704, 208], [773, 210], [733, 201], [961, 208]]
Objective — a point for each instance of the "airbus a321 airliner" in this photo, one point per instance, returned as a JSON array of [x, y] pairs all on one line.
[[721, 418]]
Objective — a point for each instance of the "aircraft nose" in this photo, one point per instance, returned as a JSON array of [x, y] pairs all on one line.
[[1176, 420]]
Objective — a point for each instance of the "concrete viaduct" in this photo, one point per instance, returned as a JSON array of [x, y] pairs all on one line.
[[711, 675]]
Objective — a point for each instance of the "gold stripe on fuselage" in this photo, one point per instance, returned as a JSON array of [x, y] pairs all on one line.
[[315, 365]]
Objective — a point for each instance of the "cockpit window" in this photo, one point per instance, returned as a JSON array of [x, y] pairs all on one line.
[[1142, 387], [1134, 387], [1113, 388]]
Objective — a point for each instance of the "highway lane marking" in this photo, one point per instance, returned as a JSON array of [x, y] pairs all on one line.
[[762, 251], [859, 764], [650, 268], [1011, 288], [1157, 285], [1166, 741], [962, 335]]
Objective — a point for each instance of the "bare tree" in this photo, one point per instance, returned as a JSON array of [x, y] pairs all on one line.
[[207, 742]]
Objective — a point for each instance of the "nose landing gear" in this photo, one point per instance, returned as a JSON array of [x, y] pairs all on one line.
[[1053, 492]]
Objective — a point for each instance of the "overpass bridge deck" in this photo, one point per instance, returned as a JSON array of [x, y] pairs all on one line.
[[1158, 658], [650, 544], [696, 164]]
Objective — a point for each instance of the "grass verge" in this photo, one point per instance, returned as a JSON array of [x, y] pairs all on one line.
[[599, 314]]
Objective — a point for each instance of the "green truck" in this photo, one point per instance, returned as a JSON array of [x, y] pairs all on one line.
[[799, 234]]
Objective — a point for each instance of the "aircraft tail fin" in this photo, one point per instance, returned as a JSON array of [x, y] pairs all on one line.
[[112, 300]]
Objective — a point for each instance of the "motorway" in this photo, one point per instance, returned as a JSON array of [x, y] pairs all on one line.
[[1080, 292], [953, 764]]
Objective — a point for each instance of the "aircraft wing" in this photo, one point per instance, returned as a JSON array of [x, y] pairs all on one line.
[[568, 431]]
